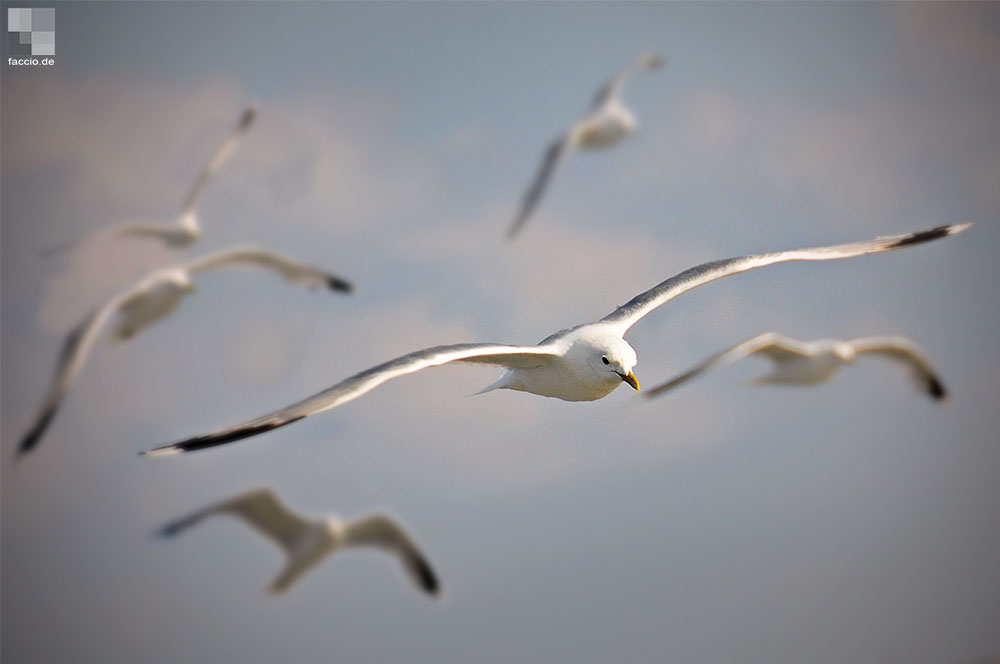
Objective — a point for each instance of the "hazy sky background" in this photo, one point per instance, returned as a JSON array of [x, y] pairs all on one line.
[[851, 522]]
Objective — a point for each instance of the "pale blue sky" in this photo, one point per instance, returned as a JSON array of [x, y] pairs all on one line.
[[854, 521]]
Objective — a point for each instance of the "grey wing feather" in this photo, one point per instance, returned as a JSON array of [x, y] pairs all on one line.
[[383, 531], [613, 87], [632, 311], [291, 269], [220, 157], [140, 229], [358, 384], [905, 351], [68, 365], [780, 348], [553, 155], [261, 509], [769, 343]]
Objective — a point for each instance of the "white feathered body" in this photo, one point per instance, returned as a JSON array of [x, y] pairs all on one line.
[[605, 127], [827, 357], [152, 301], [185, 233], [578, 373], [321, 539]]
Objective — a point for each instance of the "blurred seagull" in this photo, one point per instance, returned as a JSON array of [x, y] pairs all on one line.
[[186, 229], [606, 124], [148, 301], [307, 542], [581, 363], [810, 362]]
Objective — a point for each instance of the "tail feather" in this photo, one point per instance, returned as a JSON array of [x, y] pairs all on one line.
[[499, 384]]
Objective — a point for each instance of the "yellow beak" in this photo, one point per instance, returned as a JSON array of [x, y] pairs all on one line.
[[631, 380]]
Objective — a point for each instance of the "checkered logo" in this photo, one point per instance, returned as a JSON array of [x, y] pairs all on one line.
[[31, 31]]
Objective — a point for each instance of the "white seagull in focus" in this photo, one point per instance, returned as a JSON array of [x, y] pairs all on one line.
[[606, 123], [306, 542], [150, 300], [811, 362], [186, 228], [581, 363]]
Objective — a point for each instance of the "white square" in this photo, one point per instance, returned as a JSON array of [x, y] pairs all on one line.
[[43, 49]]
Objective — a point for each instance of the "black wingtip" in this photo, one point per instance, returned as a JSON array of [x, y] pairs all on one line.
[[32, 438], [166, 532], [249, 114], [932, 234], [213, 440], [936, 389], [28, 443], [337, 284], [428, 579]]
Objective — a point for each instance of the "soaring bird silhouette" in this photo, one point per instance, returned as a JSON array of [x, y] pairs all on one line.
[[307, 542]]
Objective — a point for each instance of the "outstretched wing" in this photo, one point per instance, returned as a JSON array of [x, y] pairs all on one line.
[[71, 359], [291, 269], [905, 351], [632, 311], [261, 509], [383, 532], [613, 88], [351, 388], [221, 156], [140, 229], [771, 344], [553, 155]]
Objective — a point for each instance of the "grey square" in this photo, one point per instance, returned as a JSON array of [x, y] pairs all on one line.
[[43, 19], [18, 20], [43, 37], [24, 38], [15, 47], [13, 19], [43, 49]]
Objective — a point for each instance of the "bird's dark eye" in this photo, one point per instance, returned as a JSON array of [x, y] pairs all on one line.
[[604, 359]]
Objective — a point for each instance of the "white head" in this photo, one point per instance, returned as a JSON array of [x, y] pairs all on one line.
[[334, 526], [844, 352], [189, 224], [177, 280], [604, 359]]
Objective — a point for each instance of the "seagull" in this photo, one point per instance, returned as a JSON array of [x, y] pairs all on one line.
[[606, 123], [186, 229], [150, 300], [581, 363], [306, 542], [810, 362]]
